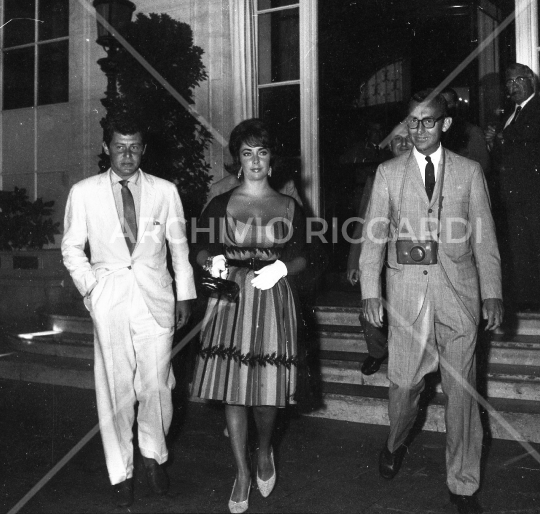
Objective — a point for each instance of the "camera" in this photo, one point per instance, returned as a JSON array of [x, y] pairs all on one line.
[[416, 252]]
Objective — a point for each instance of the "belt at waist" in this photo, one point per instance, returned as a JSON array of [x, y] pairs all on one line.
[[254, 264]]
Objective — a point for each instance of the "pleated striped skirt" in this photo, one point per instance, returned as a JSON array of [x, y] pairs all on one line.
[[248, 351]]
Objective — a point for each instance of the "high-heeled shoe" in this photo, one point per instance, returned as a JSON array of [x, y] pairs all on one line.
[[239, 507], [267, 486]]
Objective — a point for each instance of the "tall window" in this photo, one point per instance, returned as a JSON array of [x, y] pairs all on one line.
[[35, 53], [279, 70]]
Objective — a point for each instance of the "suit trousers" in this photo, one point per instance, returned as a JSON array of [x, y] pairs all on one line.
[[441, 335], [132, 363], [523, 251]]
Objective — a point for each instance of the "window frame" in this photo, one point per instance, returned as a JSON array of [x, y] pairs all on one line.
[[309, 96], [35, 45]]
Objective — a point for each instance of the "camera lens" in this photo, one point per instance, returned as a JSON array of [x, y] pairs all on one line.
[[417, 253]]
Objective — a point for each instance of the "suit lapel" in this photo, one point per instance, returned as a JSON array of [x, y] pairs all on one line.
[[109, 205], [148, 193], [442, 168], [415, 175]]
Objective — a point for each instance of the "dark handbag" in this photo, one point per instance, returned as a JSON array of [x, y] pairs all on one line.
[[220, 287]]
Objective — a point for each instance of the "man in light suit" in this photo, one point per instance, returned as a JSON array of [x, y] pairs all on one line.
[[516, 153], [433, 309], [128, 217]]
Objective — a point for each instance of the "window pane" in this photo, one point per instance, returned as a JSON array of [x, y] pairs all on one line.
[[55, 17], [19, 78], [280, 108], [19, 32], [53, 73], [271, 4], [279, 46]]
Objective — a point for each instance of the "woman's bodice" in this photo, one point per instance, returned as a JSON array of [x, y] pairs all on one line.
[[252, 239]]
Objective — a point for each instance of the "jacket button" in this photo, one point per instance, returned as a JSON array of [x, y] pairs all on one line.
[[129, 267], [430, 210], [425, 272]]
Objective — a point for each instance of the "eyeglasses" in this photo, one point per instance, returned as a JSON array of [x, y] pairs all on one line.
[[428, 122], [517, 81]]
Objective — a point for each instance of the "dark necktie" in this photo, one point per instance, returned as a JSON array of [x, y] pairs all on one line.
[[518, 110], [430, 177], [130, 216]]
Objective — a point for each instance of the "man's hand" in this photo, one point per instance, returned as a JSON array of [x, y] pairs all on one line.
[[353, 276], [490, 134], [493, 311], [372, 310], [182, 313]]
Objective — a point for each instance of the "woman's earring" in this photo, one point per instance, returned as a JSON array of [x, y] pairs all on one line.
[[270, 171], [240, 173]]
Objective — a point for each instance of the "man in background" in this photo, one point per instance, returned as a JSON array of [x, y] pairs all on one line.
[[376, 338], [516, 155]]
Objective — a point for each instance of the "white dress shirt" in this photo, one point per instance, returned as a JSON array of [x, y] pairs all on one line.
[[436, 157]]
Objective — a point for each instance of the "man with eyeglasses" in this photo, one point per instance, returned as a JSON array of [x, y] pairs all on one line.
[[516, 154], [434, 293], [129, 219]]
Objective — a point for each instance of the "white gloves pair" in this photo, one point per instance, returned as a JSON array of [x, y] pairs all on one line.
[[266, 278], [269, 276]]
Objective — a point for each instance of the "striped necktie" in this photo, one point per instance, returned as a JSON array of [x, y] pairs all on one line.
[[130, 217], [518, 110]]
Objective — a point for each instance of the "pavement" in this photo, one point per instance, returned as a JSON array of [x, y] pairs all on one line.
[[323, 465]]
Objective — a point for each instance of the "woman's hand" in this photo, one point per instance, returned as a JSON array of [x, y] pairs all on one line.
[[217, 266], [269, 276]]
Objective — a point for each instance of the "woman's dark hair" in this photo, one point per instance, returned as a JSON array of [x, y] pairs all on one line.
[[253, 132]]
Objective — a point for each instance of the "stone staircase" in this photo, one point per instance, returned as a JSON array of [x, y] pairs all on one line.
[[60, 351], [509, 374]]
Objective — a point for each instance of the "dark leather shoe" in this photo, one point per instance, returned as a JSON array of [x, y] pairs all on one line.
[[466, 504], [371, 365], [123, 493], [389, 463], [156, 476]]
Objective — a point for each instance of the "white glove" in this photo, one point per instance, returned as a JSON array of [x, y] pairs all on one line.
[[269, 276], [219, 269]]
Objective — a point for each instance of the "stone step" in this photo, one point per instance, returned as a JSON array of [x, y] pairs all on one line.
[[521, 350], [46, 369], [363, 404], [524, 323], [60, 344], [503, 381], [76, 324]]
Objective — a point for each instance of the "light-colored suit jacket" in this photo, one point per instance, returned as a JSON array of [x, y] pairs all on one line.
[[468, 251], [91, 215]]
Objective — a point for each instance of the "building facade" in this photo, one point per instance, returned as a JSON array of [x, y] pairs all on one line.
[[268, 58]]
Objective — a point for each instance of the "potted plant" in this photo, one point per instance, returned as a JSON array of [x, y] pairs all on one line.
[[25, 225]]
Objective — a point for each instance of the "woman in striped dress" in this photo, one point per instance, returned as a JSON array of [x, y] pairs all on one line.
[[254, 236]]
